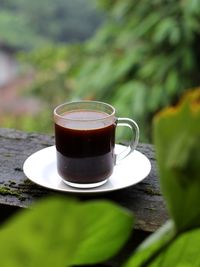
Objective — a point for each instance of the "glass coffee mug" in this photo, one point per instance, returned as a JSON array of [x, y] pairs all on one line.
[[85, 141]]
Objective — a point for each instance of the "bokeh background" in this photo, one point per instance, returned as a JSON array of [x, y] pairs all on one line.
[[139, 56]]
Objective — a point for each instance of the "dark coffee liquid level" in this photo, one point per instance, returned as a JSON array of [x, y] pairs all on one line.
[[85, 152]]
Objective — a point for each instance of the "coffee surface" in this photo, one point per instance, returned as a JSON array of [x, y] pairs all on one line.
[[83, 119], [85, 115]]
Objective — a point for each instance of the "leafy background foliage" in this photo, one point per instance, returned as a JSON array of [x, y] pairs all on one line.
[[142, 59]]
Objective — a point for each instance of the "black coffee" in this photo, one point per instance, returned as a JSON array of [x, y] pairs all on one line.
[[85, 152]]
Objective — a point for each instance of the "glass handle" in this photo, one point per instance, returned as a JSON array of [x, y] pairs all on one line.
[[131, 124]]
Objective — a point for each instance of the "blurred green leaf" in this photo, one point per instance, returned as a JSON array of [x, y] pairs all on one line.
[[106, 228], [139, 99], [167, 249], [177, 135], [164, 29], [151, 248], [171, 82], [120, 9], [155, 98], [39, 237], [63, 232]]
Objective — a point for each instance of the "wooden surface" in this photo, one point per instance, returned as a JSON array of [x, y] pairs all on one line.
[[144, 199]]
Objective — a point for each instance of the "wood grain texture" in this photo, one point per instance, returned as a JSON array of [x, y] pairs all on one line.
[[144, 199]]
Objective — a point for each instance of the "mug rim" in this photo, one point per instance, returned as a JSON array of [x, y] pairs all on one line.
[[56, 115]]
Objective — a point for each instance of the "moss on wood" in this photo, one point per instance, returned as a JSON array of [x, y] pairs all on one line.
[[7, 191]]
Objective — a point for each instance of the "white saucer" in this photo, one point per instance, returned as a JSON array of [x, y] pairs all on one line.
[[41, 169]]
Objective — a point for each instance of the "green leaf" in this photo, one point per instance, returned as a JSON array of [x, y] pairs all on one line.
[[190, 8], [182, 252], [41, 236], [121, 9], [146, 24], [123, 65], [151, 247], [164, 29], [169, 250], [177, 135], [106, 228], [171, 82], [175, 35], [139, 99], [63, 232], [154, 98]]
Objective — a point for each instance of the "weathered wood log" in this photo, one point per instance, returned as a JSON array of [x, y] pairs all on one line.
[[144, 199]]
